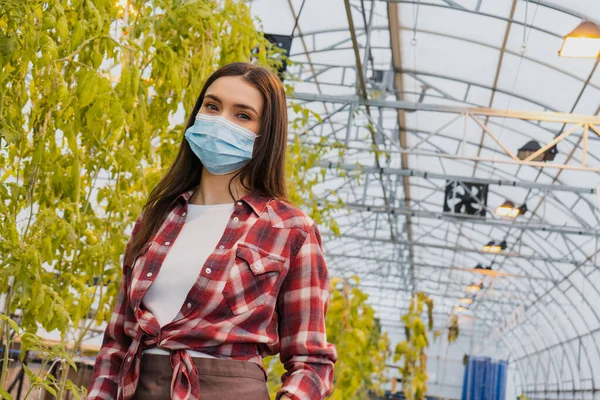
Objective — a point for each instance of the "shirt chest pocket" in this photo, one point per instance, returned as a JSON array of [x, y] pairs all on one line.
[[253, 279]]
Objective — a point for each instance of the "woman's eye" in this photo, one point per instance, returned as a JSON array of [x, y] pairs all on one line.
[[211, 106], [244, 116]]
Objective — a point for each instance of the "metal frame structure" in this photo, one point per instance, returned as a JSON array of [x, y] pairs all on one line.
[[538, 309]]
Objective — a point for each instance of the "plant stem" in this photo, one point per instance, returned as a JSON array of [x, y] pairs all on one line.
[[6, 334], [64, 373]]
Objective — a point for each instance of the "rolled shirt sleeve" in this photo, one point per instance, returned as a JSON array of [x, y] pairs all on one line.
[[302, 305]]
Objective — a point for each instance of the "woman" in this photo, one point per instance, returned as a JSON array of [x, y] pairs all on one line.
[[220, 270]]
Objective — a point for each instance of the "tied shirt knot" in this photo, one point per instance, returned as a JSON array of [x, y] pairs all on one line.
[[184, 383]]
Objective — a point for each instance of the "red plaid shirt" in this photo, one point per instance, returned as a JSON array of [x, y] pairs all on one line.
[[264, 290]]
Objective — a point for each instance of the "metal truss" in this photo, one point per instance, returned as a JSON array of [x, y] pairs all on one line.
[[585, 122], [433, 175], [529, 257], [539, 305]]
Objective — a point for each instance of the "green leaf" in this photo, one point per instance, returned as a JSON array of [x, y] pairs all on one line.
[[8, 45], [49, 389], [62, 29], [32, 377], [11, 322], [71, 363], [5, 394]]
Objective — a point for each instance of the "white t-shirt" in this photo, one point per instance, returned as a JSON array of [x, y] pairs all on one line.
[[204, 226]]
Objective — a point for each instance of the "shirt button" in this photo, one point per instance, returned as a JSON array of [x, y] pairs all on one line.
[[221, 247], [167, 243], [236, 219], [239, 203], [128, 359], [149, 274], [189, 305], [208, 270], [183, 215]]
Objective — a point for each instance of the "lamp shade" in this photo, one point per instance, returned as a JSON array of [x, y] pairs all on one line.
[[473, 288], [507, 209], [528, 149], [495, 247], [531, 147], [584, 41]]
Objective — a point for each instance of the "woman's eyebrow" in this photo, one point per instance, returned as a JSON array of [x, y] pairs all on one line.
[[246, 107], [212, 96], [238, 105]]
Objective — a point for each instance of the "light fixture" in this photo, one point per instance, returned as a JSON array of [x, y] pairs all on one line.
[[460, 309], [494, 246], [466, 300], [584, 41], [508, 209], [531, 147], [474, 288]]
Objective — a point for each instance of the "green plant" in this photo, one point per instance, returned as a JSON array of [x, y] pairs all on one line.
[[411, 352], [88, 93], [49, 355], [362, 347], [453, 329], [304, 172]]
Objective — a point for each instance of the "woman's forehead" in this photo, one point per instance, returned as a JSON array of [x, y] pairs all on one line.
[[235, 89]]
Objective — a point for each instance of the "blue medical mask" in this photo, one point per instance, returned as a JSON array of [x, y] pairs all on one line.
[[222, 146]]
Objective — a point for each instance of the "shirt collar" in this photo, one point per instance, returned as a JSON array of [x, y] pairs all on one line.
[[254, 200], [185, 196]]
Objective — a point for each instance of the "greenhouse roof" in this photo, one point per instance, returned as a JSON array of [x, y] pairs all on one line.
[[453, 90]]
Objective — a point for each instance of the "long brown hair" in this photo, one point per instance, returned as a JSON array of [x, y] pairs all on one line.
[[264, 173]]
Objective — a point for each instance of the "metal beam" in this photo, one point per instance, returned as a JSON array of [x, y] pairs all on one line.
[[516, 22], [558, 7], [451, 248], [363, 95], [549, 348], [459, 218], [546, 116], [444, 35], [433, 175], [495, 84], [378, 295], [307, 53], [395, 42], [454, 4], [415, 74], [550, 188], [439, 267]]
